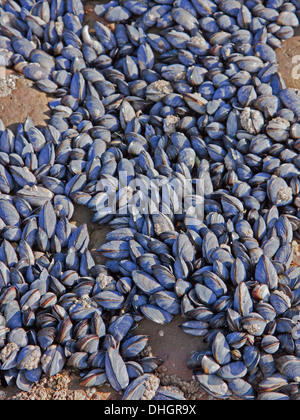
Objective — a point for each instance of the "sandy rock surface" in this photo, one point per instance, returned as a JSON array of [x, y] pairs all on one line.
[[19, 99], [289, 60]]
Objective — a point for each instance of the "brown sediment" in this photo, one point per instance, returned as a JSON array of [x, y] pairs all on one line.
[[22, 100], [288, 57]]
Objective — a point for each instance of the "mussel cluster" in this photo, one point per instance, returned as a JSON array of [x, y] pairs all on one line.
[[162, 97]]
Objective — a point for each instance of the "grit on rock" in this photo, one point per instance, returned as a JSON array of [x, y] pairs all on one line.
[[7, 85]]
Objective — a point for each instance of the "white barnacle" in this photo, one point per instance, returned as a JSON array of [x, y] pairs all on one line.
[[157, 90], [253, 328], [104, 280], [7, 84], [33, 360], [32, 188], [85, 301], [151, 385], [45, 360], [198, 40], [162, 86], [251, 120], [8, 350], [170, 123], [284, 194]]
